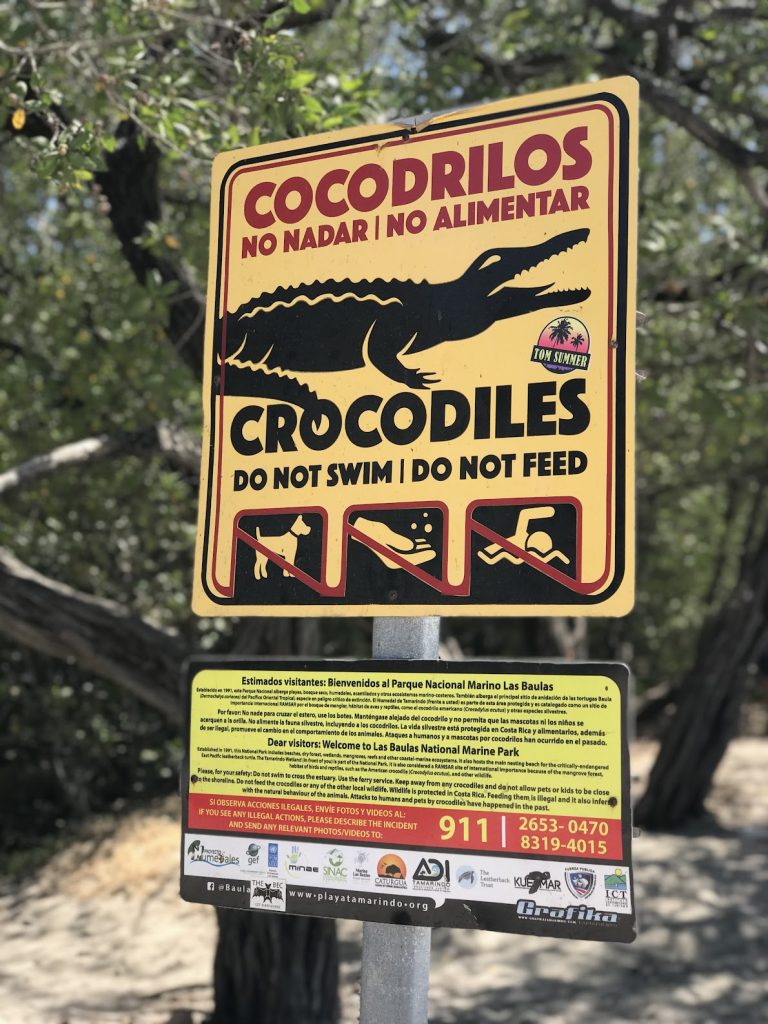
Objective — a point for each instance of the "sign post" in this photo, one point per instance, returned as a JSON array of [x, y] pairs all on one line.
[[395, 964]]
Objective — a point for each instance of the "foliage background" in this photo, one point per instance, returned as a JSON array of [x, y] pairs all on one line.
[[100, 326]]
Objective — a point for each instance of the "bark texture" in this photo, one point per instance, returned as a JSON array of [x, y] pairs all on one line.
[[130, 183], [709, 702], [100, 635], [271, 969]]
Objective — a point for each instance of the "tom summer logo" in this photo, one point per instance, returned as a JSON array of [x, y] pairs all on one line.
[[563, 346]]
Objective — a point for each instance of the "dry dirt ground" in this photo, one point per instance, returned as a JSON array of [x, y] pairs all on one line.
[[101, 936]]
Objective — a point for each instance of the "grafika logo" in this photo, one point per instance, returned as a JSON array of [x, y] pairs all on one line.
[[581, 914], [563, 346]]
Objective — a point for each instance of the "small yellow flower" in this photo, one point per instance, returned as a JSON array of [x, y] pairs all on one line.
[[18, 119], [171, 241]]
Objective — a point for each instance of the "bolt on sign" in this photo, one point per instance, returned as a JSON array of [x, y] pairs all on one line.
[[459, 794], [419, 370]]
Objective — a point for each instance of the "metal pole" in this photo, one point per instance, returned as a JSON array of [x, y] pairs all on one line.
[[395, 970]]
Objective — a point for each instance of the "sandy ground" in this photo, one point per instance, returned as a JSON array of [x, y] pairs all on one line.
[[101, 936]]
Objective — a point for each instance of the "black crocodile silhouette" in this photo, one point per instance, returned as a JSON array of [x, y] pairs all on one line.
[[328, 326]]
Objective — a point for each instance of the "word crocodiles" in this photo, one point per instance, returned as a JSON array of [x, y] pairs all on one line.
[[328, 326]]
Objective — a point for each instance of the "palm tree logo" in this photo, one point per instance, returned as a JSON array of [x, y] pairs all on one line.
[[563, 346], [561, 331]]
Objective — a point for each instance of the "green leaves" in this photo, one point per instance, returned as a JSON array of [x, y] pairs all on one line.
[[84, 348]]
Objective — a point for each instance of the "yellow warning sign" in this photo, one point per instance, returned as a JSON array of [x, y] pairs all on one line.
[[418, 388]]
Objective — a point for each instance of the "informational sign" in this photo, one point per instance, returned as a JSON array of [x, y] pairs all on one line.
[[462, 794], [419, 366]]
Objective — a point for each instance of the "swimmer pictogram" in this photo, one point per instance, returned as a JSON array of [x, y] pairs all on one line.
[[538, 543]]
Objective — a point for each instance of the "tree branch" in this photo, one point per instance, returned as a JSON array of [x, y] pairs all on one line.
[[665, 103], [130, 183], [179, 447], [616, 60], [174, 443], [99, 634], [708, 701]]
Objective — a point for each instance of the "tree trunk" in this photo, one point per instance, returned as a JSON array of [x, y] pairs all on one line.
[[275, 969], [709, 702], [269, 968], [100, 635], [272, 968], [570, 637]]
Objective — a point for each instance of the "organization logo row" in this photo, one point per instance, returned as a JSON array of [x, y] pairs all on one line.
[[269, 864]]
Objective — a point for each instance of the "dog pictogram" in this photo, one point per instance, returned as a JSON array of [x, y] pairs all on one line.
[[285, 545]]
